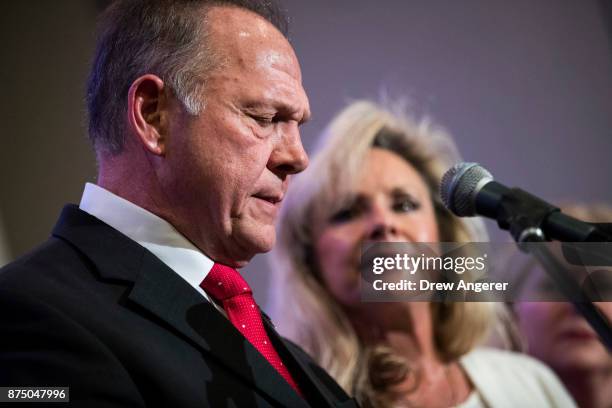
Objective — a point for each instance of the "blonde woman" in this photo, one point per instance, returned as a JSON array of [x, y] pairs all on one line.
[[375, 178]]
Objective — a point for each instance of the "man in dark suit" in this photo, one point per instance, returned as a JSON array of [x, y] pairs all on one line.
[[135, 300]]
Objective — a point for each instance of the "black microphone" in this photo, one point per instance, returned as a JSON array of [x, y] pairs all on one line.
[[468, 189]]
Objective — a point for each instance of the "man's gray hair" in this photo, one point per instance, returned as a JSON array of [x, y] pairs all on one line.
[[161, 37]]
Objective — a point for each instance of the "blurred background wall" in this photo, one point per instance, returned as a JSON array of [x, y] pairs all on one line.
[[524, 86], [44, 154]]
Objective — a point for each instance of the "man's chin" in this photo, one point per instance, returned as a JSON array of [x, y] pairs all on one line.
[[261, 246], [255, 239]]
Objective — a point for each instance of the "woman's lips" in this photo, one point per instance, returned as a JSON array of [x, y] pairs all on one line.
[[578, 333]]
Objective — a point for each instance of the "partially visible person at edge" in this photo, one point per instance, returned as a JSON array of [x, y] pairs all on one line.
[[135, 300], [375, 178], [555, 333]]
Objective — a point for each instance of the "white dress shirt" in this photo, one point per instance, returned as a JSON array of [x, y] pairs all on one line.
[[150, 231]]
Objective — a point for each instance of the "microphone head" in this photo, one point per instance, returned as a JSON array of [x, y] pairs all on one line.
[[460, 186]]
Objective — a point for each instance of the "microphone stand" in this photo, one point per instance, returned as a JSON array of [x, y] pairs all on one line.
[[524, 215]]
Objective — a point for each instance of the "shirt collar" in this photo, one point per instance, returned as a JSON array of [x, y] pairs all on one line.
[[150, 231]]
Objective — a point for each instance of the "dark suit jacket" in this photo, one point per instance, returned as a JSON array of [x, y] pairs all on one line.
[[93, 310]]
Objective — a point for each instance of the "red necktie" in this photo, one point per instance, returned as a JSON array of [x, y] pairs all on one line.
[[226, 286]]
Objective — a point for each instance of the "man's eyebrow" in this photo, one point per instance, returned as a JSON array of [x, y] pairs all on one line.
[[292, 111]]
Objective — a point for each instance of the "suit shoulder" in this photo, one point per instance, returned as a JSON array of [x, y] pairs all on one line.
[[46, 272], [49, 258]]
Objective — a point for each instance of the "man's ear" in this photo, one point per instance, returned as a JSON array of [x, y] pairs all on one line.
[[147, 113]]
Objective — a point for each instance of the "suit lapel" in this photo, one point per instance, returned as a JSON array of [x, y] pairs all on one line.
[[325, 397], [160, 291]]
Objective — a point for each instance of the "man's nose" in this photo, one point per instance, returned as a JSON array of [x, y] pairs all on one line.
[[288, 156]]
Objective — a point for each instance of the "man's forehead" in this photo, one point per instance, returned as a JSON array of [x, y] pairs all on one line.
[[243, 37], [245, 22], [253, 51]]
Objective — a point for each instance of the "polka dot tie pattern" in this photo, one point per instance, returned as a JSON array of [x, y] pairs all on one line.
[[229, 288]]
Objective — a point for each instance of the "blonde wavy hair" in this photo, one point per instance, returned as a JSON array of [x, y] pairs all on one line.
[[302, 306]]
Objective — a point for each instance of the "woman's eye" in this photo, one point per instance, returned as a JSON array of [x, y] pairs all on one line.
[[546, 286], [405, 204], [345, 214]]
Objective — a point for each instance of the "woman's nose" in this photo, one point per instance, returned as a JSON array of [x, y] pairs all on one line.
[[382, 225]]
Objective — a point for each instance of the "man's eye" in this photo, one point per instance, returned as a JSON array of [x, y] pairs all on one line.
[[263, 120], [405, 204]]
